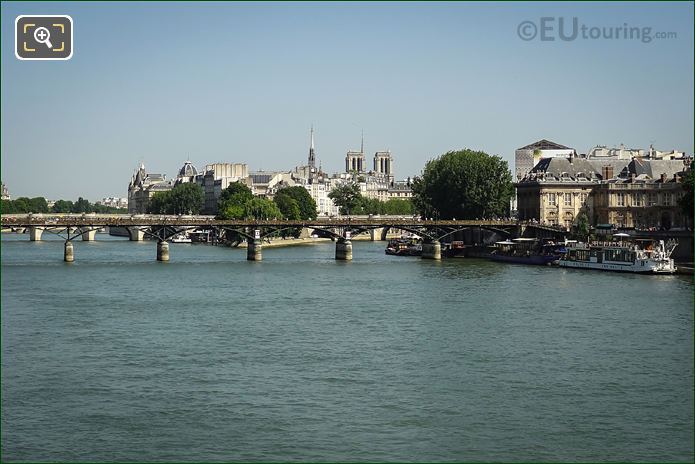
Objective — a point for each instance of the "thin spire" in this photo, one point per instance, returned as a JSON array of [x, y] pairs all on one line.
[[312, 154], [362, 144]]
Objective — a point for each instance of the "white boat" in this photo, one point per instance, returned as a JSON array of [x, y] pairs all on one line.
[[640, 256], [180, 238]]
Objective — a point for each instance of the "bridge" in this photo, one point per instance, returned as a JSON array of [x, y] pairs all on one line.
[[163, 228]]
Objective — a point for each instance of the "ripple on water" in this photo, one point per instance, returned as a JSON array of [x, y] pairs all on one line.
[[209, 357]]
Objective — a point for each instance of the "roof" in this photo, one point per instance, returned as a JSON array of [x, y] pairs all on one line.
[[652, 169], [545, 145], [561, 169], [188, 170]]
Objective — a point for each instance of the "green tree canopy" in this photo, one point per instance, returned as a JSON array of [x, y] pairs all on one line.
[[347, 197], [237, 191], [464, 184], [306, 204], [261, 208], [232, 201], [81, 206], [288, 206], [185, 198], [62, 206], [686, 201]]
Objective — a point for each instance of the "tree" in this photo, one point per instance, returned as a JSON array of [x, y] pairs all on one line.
[[232, 200], [346, 196], [81, 206], [464, 184], [288, 206], [261, 208], [62, 206], [236, 190], [686, 201], [306, 204], [186, 198], [397, 206], [158, 203], [582, 226]]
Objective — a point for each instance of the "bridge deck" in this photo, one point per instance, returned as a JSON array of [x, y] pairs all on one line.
[[91, 220]]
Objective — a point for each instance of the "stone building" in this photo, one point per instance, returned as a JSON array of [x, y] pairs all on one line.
[[557, 190], [642, 193], [141, 188]]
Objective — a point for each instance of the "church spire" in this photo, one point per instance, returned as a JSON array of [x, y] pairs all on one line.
[[312, 154], [362, 144]]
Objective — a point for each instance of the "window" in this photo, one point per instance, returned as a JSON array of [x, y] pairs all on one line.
[[637, 199], [551, 199], [653, 199], [667, 199], [582, 198], [621, 199], [568, 199]]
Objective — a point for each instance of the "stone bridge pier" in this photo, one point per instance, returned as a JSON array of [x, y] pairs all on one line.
[[68, 255], [35, 233], [135, 234], [432, 250], [254, 250], [162, 250], [343, 248], [88, 235]]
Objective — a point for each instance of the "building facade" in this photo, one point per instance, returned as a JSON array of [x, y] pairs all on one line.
[[141, 188], [643, 194]]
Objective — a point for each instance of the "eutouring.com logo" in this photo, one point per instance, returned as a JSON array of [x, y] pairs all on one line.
[[551, 28]]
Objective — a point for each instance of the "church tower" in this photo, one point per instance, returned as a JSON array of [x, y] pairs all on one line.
[[312, 154]]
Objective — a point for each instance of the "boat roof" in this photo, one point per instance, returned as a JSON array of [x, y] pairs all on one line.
[[506, 242], [525, 239]]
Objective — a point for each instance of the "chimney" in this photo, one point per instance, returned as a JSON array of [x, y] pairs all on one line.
[[607, 172], [632, 177], [676, 178], [663, 177]]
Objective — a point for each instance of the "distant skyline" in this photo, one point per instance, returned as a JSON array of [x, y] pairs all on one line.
[[234, 82]]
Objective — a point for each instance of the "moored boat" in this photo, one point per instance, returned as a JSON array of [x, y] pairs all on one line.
[[403, 247], [526, 251], [640, 256], [181, 238]]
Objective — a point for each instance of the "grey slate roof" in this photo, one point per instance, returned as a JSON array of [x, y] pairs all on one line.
[[545, 145], [561, 169]]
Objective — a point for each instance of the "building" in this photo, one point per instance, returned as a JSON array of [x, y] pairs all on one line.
[[643, 193], [557, 190], [114, 202], [215, 178], [525, 158], [400, 190], [141, 188], [5, 192], [383, 164]]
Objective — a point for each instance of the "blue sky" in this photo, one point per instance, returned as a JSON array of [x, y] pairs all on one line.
[[237, 82]]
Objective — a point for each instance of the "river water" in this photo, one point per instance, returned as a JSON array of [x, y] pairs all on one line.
[[212, 358]]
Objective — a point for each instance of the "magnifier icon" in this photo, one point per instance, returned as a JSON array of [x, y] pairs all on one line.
[[42, 35]]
